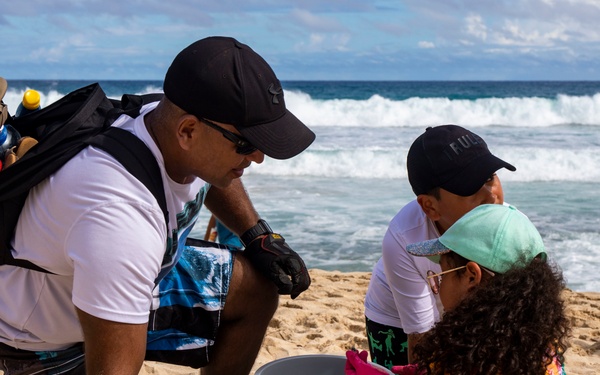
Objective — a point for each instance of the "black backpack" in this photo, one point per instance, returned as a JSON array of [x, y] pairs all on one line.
[[79, 119]]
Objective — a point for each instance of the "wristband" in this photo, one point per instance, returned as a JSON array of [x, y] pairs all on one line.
[[260, 228]]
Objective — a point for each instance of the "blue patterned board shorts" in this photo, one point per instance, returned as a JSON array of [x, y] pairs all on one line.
[[191, 297], [182, 330]]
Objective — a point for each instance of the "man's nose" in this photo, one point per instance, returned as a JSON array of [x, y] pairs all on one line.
[[257, 156]]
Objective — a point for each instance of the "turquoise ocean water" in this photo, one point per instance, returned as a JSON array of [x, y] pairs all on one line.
[[333, 202]]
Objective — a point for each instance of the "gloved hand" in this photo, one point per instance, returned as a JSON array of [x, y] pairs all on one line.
[[356, 364], [279, 263]]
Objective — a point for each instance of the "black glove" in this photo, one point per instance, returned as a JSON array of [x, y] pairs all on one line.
[[279, 263]]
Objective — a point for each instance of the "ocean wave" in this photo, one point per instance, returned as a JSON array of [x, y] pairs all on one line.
[[378, 111], [533, 164]]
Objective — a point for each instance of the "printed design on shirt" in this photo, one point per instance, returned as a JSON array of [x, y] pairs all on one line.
[[191, 209], [186, 219]]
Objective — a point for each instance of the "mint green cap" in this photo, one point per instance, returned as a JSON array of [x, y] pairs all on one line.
[[494, 236]]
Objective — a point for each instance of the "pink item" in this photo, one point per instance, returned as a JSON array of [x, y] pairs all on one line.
[[406, 370], [356, 364]]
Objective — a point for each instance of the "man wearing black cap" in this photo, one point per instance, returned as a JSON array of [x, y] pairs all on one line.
[[451, 171], [102, 235]]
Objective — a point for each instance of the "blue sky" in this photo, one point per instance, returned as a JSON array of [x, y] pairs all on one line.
[[308, 39]]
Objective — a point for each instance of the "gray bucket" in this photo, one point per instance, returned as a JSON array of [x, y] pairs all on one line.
[[311, 364]]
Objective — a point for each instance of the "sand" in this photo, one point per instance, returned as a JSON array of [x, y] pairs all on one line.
[[328, 318]]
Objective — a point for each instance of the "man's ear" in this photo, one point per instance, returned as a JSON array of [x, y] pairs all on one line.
[[472, 274], [187, 130], [429, 205]]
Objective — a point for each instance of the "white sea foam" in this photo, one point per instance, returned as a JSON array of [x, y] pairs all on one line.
[[533, 164], [419, 112], [378, 111]]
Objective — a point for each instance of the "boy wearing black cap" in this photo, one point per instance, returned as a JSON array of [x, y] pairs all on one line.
[[451, 171], [102, 235]]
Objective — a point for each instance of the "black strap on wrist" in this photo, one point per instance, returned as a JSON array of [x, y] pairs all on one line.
[[260, 228]]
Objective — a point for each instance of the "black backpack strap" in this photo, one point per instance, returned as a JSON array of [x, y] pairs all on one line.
[[137, 158], [130, 104]]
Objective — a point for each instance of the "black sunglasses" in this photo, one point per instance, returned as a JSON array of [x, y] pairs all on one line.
[[242, 145]]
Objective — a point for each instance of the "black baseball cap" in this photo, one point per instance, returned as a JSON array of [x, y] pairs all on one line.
[[220, 79], [452, 158]]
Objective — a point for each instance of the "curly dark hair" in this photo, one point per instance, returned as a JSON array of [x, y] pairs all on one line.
[[511, 323]]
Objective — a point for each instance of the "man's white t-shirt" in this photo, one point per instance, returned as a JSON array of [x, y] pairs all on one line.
[[102, 234], [399, 294]]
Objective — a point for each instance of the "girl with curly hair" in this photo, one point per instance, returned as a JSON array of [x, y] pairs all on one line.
[[502, 299]]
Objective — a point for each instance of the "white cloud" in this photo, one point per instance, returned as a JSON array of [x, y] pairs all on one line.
[[593, 3], [114, 33], [532, 33], [316, 23], [475, 26], [319, 42], [59, 51], [316, 40]]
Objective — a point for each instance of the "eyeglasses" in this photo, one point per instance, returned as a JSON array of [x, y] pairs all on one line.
[[242, 145], [435, 279]]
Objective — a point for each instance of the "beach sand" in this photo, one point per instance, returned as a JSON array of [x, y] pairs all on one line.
[[328, 318]]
